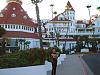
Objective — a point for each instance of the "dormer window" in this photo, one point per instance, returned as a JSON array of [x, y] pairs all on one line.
[[14, 8], [25, 17], [21, 10], [61, 18], [13, 15], [5, 8], [1, 15]]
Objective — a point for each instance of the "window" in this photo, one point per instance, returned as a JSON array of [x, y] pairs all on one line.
[[5, 26], [14, 26], [22, 27], [28, 28], [14, 8], [21, 10], [5, 8], [13, 15], [25, 17], [71, 24], [32, 29], [46, 29], [11, 26], [98, 30], [1, 15], [61, 18], [70, 17], [8, 26], [19, 26]]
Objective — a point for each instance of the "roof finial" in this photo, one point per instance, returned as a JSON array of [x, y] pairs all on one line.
[[17, 1]]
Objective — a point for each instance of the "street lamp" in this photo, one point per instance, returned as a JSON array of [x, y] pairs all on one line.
[[51, 5], [93, 28], [89, 6], [38, 19]]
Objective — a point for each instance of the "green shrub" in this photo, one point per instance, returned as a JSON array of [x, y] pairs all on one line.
[[30, 57]]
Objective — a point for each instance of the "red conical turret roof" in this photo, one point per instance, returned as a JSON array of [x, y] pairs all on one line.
[[13, 13]]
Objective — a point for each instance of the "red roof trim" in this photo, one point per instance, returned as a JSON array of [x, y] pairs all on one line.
[[17, 34]]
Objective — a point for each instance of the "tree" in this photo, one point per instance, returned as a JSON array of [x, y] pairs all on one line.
[[55, 13], [98, 8], [38, 20], [2, 31]]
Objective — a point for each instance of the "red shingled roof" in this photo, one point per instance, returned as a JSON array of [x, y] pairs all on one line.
[[56, 18], [20, 18], [17, 34]]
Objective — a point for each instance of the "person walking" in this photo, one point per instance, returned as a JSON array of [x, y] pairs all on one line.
[[54, 56]]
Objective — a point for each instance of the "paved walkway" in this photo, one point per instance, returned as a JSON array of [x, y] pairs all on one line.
[[73, 65]]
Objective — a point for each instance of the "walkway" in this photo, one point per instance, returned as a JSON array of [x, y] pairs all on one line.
[[73, 65]]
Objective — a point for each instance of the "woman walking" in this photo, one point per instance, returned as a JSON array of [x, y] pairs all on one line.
[[54, 56]]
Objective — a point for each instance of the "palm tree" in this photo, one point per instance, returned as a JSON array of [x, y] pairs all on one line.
[[55, 13], [89, 6], [98, 8], [38, 19]]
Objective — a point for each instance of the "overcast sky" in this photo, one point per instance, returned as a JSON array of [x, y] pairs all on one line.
[[59, 6]]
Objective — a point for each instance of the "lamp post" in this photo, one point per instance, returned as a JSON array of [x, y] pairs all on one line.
[[93, 28], [51, 5], [38, 19], [89, 6]]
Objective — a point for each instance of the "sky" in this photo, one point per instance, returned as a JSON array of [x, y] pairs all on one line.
[[81, 12]]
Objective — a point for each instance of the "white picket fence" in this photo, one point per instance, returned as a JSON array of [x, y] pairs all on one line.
[[31, 70]]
